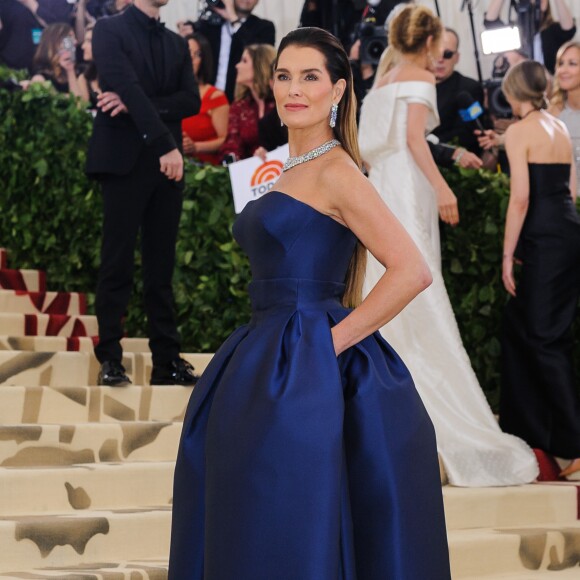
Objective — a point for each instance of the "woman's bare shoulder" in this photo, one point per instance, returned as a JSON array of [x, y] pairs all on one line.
[[403, 74]]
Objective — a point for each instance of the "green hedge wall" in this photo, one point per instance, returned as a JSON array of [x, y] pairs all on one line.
[[50, 218]]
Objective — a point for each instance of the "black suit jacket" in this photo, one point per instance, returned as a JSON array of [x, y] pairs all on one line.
[[122, 54], [452, 125], [253, 31]]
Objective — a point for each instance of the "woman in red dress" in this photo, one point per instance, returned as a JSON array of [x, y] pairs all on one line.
[[204, 133]]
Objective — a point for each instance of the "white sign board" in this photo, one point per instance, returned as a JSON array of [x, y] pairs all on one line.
[[251, 178]]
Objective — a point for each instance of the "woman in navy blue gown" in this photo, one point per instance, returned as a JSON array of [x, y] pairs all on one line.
[[306, 452]]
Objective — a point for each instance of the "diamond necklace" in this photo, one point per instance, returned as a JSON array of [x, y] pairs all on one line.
[[310, 155]]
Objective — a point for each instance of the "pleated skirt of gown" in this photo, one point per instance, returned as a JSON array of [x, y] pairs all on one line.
[[296, 465]]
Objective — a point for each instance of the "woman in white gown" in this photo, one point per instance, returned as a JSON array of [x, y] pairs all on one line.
[[395, 116]]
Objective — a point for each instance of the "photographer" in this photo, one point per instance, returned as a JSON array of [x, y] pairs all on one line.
[[229, 35], [549, 34], [54, 60]]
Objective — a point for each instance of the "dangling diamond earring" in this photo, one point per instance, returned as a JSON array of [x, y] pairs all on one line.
[[333, 115], [281, 123]]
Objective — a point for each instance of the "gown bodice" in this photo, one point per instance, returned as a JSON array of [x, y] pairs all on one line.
[[551, 210], [383, 125], [287, 238]]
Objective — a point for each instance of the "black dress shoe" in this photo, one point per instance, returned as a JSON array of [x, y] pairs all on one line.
[[112, 374], [177, 372]]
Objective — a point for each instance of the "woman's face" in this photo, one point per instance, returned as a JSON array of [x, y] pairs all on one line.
[[303, 88], [88, 46], [245, 70], [195, 52], [568, 70]]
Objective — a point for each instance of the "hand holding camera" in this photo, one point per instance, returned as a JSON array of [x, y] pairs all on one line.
[[225, 8]]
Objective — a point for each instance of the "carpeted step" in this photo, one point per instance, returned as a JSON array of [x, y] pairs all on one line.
[[25, 302], [63, 540], [54, 405], [77, 488], [64, 343], [569, 574], [31, 280], [75, 369], [17, 324], [144, 569], [3, 258], [65, 445], [524, 549], [490, 507]]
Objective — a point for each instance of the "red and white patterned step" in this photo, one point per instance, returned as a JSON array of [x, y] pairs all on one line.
[[17, 324], [3, 258], [25, 302], [31, 280]]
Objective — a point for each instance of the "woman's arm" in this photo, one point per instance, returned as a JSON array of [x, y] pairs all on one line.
[[359, 206], [219, 120], [563, 15], [494, 9], [416, 122], [517, 152], [83, 85]]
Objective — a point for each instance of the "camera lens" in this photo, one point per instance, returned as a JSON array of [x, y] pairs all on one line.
[[375, 49]]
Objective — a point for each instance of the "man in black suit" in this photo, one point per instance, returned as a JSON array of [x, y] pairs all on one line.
[[450, 84], [148, 86], [229, 35]]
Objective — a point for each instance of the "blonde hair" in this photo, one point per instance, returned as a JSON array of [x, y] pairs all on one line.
[[411, 27], [527, 82], [262, 55], [388, 60], [338, 67], [559, 95]]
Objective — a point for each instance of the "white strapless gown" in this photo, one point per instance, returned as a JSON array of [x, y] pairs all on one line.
[[475, 452]]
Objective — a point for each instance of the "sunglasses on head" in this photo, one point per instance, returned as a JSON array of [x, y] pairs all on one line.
[[448, 54]]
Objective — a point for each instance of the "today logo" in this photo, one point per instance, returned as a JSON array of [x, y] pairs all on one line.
[[265, 176]]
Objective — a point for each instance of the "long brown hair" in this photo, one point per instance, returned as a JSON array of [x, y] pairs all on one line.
[[338, 67], [262, 56], [559, 95], [527, 82], [47, 54]]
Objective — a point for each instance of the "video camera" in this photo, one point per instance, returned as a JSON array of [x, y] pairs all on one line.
[[371, 31], [373, 41], [208, 15]]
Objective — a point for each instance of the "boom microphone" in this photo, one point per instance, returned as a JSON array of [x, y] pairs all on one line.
[[469, 109]]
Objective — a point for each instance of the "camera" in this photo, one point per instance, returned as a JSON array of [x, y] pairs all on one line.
[[496, 102], [373, 41], [68, 45], [215, 4]]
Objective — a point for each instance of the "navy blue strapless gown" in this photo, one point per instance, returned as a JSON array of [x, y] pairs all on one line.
[[293, 464]]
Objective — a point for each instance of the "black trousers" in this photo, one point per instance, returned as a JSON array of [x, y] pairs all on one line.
[[146, 201]]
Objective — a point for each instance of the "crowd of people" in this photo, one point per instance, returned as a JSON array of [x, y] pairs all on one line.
[[339, 262]]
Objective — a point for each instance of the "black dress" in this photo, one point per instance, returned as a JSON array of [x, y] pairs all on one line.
[[539, 396]]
